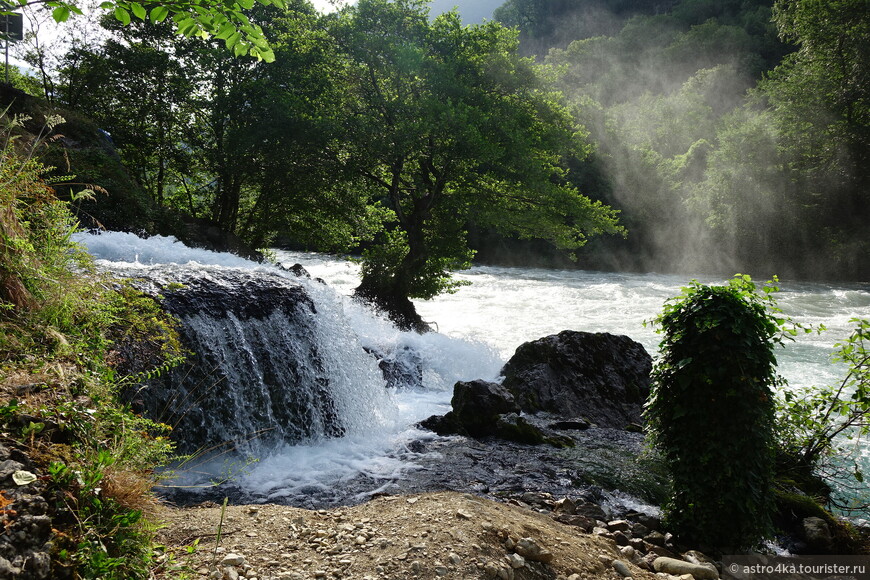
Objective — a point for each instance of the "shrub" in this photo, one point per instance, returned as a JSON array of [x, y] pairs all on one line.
[[711, 411]]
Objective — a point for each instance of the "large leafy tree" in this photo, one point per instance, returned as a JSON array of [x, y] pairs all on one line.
[[446, 124]]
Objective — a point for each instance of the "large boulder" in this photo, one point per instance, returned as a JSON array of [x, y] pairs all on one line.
[[602, 377]]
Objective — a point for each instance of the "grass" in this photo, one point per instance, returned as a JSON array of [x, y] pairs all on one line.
[[71, 341]]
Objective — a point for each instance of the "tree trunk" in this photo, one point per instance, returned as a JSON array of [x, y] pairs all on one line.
[[392, 302]]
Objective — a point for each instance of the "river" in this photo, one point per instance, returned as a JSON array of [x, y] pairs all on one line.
[[478, 329]]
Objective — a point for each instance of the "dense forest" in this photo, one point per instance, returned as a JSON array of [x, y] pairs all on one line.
[[727, 136]]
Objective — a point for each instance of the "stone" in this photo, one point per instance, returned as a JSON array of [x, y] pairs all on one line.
[[529, 549], [582, 522], [817, 535], [621, 568], [591, 510], [476, 408], [566, 505], [619, 526], [620, 538], [601, 377], [655, 538], [516, 561], [680, 567]]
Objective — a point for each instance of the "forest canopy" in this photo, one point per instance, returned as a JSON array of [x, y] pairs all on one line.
[[724, 135]]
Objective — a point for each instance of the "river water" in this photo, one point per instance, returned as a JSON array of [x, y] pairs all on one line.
[[478, 329]]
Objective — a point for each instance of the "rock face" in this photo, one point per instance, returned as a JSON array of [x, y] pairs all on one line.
[[601, 377]]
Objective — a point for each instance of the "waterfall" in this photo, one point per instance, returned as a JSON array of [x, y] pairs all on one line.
[[287, 372]]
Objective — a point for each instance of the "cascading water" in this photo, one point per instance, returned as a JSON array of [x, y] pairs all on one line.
[[305, 462], [287, 373]]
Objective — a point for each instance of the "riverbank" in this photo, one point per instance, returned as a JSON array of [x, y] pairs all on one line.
[[433, 535]]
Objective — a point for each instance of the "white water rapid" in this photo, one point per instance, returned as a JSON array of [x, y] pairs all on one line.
[[479, 328]]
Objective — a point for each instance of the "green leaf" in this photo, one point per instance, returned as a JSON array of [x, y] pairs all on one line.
[[60, 14], [122, 16], [233, 39], [246, 4], [240, 49], [107, 5], [138, 10], [225, 31], [159, 13]]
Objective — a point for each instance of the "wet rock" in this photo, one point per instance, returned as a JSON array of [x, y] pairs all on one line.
[[257, 345], [477, 406], [571, 425], [402, 369], [512, 427], [602, 377]]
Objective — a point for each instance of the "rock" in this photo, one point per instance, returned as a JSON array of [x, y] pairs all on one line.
[[618, 526], [512, 427], [602, 377], [620, 538], [402, 369], [680, 567], [477, 406], [529, 549], [655, 538], [582, 522], [817, 535], [279, 374], [516, 561], [696, 557], [621, 568], [565, 506], [591, 510]]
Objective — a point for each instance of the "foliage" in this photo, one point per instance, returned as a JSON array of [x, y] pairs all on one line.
[[447, 124], [223, 20], [67, 331], [711, 411], [817, 426]]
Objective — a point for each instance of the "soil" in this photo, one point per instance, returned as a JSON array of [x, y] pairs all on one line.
[[432, 535]]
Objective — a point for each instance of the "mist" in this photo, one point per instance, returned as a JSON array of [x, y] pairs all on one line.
[[685, 145]]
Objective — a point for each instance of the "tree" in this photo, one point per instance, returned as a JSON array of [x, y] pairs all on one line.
[[225, 20], [447, 124], [711, 412], [820, 98]]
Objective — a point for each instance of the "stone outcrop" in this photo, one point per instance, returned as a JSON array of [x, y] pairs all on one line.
[[601, 377]]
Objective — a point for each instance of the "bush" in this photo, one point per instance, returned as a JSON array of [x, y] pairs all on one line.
[[819, 428], [711, 411]]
